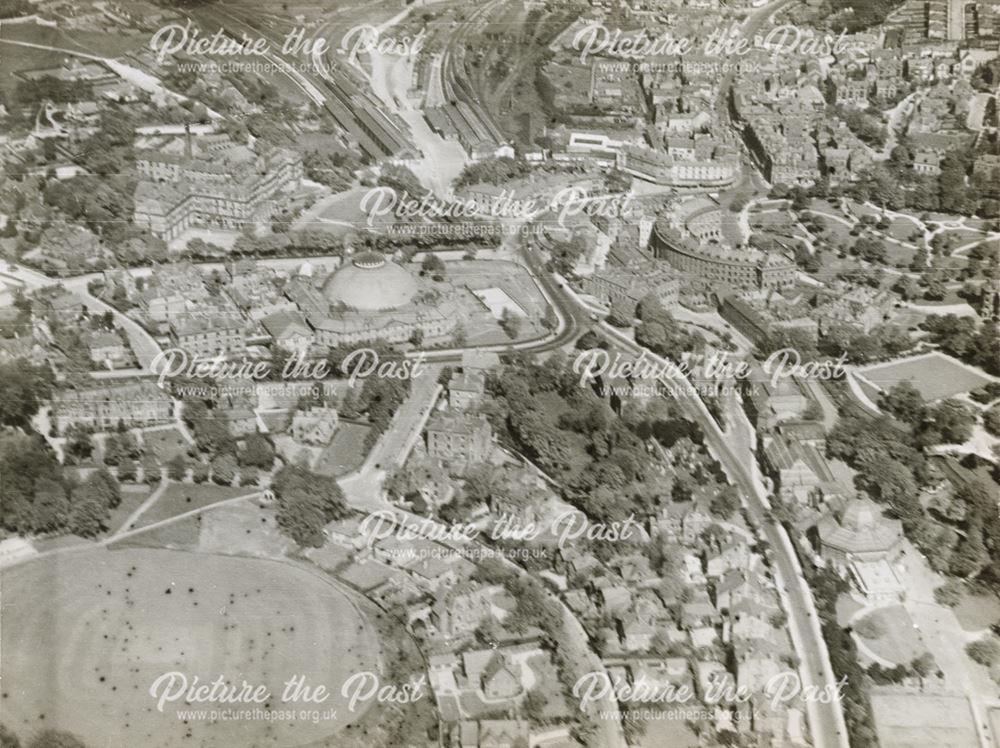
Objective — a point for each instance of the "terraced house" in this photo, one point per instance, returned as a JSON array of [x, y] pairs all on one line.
[[102, 408]]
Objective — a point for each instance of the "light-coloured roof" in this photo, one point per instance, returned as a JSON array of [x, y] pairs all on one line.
[[370, 283]]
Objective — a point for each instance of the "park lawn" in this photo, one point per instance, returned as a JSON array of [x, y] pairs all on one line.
[[133, 494], [977, 612], [902, 229], [165, 444], [345, 452], [847, 606], [340, 213], [179, 498], [772, 220], [243, 529], [834, 234], [898, 255], [182, 535], [958, 237], [901, 643], [111, 622]]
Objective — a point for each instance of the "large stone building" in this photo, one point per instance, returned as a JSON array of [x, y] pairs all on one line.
[[863, 545], [218, 184], [210, 336], [691, 240], [372, 298], [623, 288], [676, 167], [103, 408], [459, 436]]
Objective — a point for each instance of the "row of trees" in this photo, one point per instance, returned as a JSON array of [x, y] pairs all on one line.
[[220, 454], [23, 387]]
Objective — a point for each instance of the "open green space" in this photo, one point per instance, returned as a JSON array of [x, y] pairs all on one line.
[[935, 375], [179, 498], [165, 443], [132, 498], [345, 452], [977, 612], [899, 641], [111, 622]]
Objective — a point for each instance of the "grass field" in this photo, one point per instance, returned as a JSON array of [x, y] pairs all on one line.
[[183, 497], [165, 443], [901, 643], [977, 612], [132, 498], [345, 452], [18, 59], [339, 214], [243, 529], [935, 375], [180, 535], [111, 622], [897, 254], [902, 229]]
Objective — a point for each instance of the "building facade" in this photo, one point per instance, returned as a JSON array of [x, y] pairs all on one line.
[[104, 408], [224, 186]]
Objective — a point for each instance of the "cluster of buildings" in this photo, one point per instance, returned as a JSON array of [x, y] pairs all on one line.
[[211, 183], [459, 121], [712, 624], [921, 21], [369, 298], [778, 108], [814, 312], [446, 608]]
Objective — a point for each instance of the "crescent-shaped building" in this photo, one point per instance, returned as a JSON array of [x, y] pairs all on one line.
[[690, 238]]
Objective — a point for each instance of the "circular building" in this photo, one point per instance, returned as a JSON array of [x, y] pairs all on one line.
[[860, 533], [369, 282]]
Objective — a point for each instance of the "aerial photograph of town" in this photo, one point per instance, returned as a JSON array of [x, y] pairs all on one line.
[[499, 373]]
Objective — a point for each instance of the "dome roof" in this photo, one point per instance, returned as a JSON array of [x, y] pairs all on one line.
[[861, 514], [370, 283]]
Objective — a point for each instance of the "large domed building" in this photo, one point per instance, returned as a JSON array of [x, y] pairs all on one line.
[[371, 297], [369, 282]]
